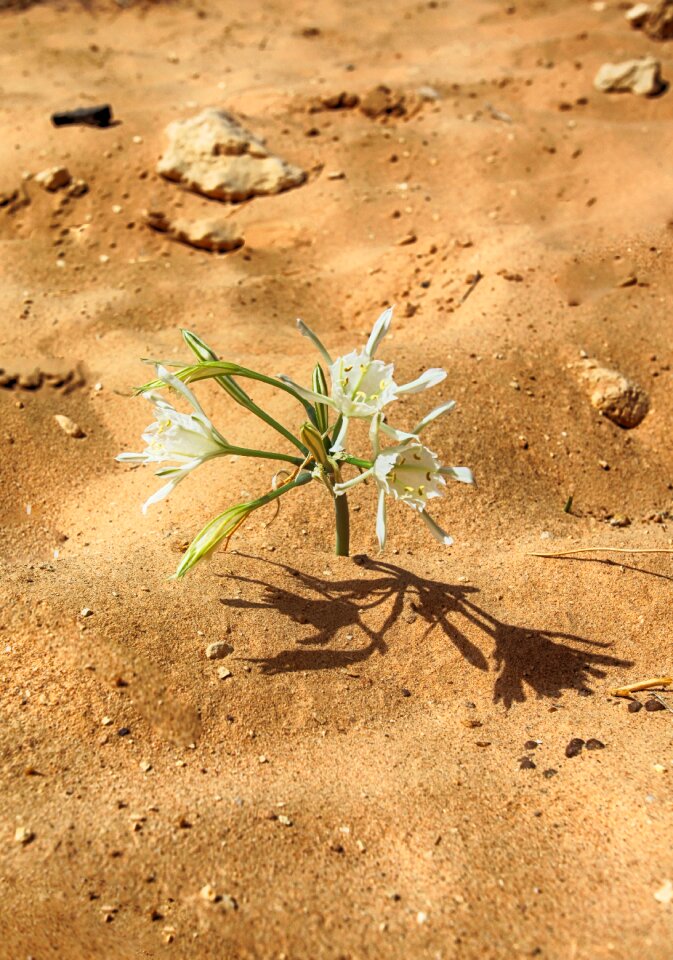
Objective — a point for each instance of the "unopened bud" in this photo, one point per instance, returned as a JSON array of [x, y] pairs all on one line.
[[320, 386], [312, 439]]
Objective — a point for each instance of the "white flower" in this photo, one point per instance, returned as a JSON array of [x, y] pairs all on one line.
[[411, 473], [187, 439], [361, 385]]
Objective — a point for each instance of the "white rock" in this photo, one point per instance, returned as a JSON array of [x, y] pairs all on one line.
[[638, 14], [23, 835], [69, 426], [54, 178], [665, 893], [213, 155], [641, 76], [208, 233]]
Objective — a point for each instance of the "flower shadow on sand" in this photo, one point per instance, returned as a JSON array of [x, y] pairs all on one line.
[[548, 662]]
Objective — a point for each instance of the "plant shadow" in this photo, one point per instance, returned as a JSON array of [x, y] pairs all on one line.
[[546, 661]]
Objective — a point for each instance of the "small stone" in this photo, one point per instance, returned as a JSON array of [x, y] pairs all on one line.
[[471, 724], [407, 239], [574, 748], [212, 154], [286, 821], [218, 650], [659, 768], [208, 893], [23, 835], [69, 426], [223, 673], [640, 76], [106, 721], [145, 766], [634, 706], [263, 759], [531, 745], [548, 774], [55, 178], [77, 189], [653, 705], [525, 763], [421, 917], [593, 744], [637, 15], [603, 464], [612, 394], [123, 732], [665, 893], [659, 23]]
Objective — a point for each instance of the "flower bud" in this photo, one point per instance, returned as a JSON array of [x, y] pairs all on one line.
[[320, 386], [313, 440]]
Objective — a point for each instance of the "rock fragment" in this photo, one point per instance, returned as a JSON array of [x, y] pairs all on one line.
[[208, 233], [574, 747], [638, 14], [23, 835], [641, 76], [218, 650], [55, 178], [659, 23], [69, 426], [213, 154], [612, 394]]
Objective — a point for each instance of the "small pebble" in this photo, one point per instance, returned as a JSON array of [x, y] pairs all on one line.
[[653, 705], [123, 732], [23, 835], [284, 820], [574, 748], [223, 673], [145, 766], [218, 649], [548, 774], [594, 744], [525, 763], [208, 893], [635, 706], [69, 426], [85, 612], [531, 745]]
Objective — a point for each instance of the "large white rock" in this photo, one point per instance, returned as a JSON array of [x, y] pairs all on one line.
[[637, 76], [214, 155]]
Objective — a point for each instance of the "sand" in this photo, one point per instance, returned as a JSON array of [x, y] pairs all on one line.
[[354, 789]]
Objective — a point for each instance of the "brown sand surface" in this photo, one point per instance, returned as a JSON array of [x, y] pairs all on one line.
[[381, 703]]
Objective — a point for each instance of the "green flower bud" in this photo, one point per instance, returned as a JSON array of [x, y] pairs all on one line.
[[320, 386], [313, 440]]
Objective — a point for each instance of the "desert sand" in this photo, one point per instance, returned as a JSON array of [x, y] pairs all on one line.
[[355, 788]]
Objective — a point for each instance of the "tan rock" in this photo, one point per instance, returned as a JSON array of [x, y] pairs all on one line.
[[55, 178], [612, 394], [69, 426], [659, 23], [642, 77], [208, 233], [638, 14], [214, 155]]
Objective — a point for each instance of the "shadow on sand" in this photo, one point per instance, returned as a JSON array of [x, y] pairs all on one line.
[[547, 661]]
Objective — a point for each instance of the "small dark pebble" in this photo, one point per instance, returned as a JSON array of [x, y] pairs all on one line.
[[405, 692], [594, 744], [123, 732], [635, 706], [652, 705], [548, 774], [574, 748], [531, 745], [470, 705], [525, 763]]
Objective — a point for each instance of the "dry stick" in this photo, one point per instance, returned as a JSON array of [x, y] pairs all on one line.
[[567, 553], [641, 685], [473, 283]]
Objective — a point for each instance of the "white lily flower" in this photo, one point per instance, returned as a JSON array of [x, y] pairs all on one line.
[[186, 439], [409, 472], [361, 385]]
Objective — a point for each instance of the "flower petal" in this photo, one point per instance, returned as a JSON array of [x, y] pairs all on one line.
[[315, 339], [309, 395], [436, 530], [426, 380], [340, 488], [381, 519], [341, 436], [437, 412], [399, 435], [462, 474], [168, 488], [379, 331], [182, 388]]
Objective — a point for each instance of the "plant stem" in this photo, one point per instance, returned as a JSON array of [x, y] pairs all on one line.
[[264, 455], [342, 526]]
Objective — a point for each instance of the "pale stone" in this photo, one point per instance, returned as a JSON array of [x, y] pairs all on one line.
[[213, 154], [69, 426], [207, 233], [641, 76], [638, 14], [612, 394], [54, 178]]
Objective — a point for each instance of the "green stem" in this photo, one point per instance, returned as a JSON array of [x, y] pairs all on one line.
[[342, 526], [290, 485], [357, 462], [264, 455]]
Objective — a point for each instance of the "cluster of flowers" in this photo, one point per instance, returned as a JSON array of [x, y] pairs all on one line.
[[360, 388]]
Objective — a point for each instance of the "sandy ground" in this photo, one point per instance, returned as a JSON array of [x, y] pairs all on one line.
[[355, 787]]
